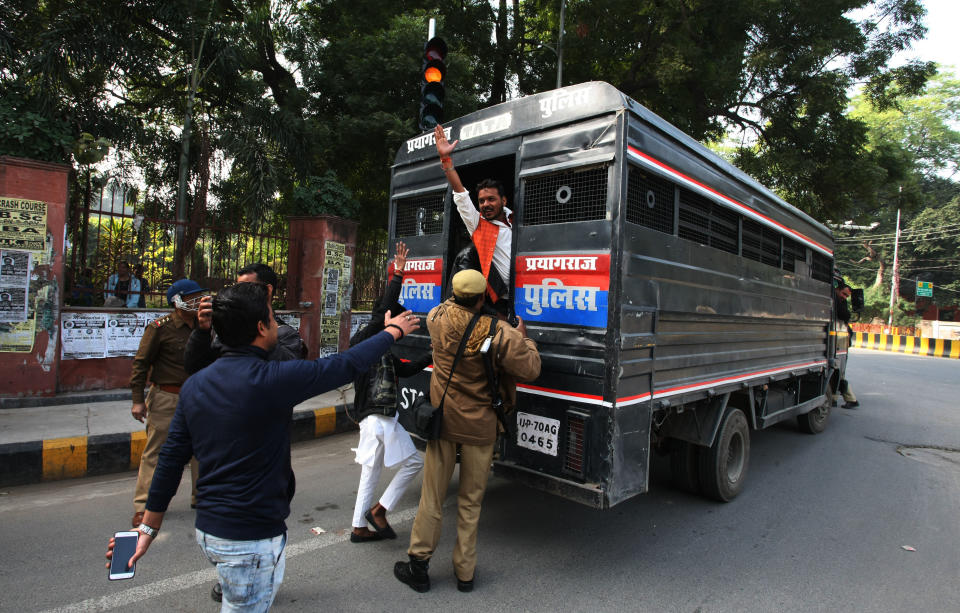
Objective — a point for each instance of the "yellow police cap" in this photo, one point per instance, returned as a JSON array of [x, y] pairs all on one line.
[[468, 283]]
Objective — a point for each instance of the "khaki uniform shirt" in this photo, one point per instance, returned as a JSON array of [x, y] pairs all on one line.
[[160, 355], [468, 415]]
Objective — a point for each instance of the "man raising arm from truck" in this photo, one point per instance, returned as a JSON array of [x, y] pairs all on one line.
[[490, 228]]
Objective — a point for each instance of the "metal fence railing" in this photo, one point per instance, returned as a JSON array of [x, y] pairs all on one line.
[[112, 229]]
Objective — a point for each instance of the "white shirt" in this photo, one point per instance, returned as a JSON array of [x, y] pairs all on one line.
[[471, 218]]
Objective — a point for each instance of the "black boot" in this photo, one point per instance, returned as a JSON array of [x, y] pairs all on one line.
[[413, 573]]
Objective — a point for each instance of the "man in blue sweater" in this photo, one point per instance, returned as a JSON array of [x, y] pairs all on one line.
[[234, 417]]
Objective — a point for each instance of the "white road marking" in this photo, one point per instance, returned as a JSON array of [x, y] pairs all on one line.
[[188, 580]]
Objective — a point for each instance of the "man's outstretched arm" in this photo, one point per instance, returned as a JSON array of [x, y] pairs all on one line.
[[444, 150]]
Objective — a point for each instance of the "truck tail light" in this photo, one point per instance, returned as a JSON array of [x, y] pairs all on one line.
[[576, 440]]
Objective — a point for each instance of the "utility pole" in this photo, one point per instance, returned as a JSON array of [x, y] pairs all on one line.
[[563, 10], [895, 277]]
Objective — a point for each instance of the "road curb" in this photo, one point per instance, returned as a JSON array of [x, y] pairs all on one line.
[[914, 345], [31, 402], [86, 456]]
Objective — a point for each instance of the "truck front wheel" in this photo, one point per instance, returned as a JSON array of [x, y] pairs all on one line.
[[723, 466]]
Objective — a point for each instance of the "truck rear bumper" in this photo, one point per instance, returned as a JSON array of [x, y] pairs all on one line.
[[590, 494]]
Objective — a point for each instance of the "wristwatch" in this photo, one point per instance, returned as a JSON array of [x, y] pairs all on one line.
[[147, 530]]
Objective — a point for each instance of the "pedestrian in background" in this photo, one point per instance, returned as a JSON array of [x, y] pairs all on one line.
[[160, 358], [123, 285], [469, 423], [235, 417], [144, 286], [383, 441]]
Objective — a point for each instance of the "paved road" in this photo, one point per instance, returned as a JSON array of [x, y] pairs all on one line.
[[820, 527]]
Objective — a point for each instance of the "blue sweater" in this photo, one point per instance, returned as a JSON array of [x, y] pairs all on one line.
[[234, 416]]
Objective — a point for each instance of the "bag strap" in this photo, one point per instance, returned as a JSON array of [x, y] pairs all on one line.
[[463, 344], [494, 380]]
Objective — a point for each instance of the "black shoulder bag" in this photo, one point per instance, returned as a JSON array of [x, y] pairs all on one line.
[[426, 418], [493, 379]]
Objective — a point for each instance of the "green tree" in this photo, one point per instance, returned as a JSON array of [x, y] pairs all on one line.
[[917, 142]]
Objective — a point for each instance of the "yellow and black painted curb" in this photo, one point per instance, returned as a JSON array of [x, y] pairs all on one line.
[[86, 456], [915, 345]]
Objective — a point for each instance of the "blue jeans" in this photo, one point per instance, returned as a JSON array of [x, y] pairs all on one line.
[[250, 572]]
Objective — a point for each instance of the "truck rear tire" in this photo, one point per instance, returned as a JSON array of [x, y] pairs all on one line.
[[685, 466], [815, 421], [723, 466]]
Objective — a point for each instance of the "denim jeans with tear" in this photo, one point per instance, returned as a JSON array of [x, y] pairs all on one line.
[[250, 572]]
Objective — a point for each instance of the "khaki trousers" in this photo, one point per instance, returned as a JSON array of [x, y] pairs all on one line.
[[441, 458], [161, 406]]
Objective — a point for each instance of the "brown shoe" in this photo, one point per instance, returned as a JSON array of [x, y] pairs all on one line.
[[137, 519]]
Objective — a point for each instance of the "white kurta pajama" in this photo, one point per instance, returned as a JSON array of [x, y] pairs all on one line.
[[383, 443]]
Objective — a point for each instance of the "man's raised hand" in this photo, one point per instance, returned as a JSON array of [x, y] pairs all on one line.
[[444, 148], [406, 321], [400, 259]]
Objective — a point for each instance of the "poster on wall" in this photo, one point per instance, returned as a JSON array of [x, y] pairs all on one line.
[[83, 335], [346, 287], [124, 331], [18, 337], [330, 309], [24, 224], [357, 321], [291, 319], [14, 285]]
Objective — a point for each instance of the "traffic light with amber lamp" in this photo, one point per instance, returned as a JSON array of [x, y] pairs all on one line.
[[431, 83]]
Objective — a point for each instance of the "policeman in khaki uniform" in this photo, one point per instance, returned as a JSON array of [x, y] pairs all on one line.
[[469, 422], [160, 356]]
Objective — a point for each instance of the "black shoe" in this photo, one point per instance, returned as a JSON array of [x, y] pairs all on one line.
[[413, 573], [217, 592], [385, 532], [464, 586], [359, 538], [851, 405]]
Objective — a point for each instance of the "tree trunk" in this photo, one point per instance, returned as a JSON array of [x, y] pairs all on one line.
[[199, 212], [873, 256], [179, 255]]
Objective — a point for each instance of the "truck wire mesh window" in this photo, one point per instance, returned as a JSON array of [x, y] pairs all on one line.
[[572, 195], [708, 223], [650, 200], [420, 215], [822, 268], [793, 251], [761, 243]]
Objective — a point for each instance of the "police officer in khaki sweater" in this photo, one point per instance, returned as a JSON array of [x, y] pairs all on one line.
[[160, 356], [469, 422]]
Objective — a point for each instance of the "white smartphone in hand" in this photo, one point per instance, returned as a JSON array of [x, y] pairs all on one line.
[[124, 546]]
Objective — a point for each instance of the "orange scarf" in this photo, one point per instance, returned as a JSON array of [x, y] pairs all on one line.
[[485, 240]]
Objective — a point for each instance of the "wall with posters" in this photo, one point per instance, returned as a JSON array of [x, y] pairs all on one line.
[[98, 345], [33, 201]]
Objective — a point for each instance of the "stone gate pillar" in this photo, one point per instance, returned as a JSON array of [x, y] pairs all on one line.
[[320, 280]]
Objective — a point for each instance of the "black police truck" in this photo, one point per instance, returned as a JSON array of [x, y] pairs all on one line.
[[677, 303]]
